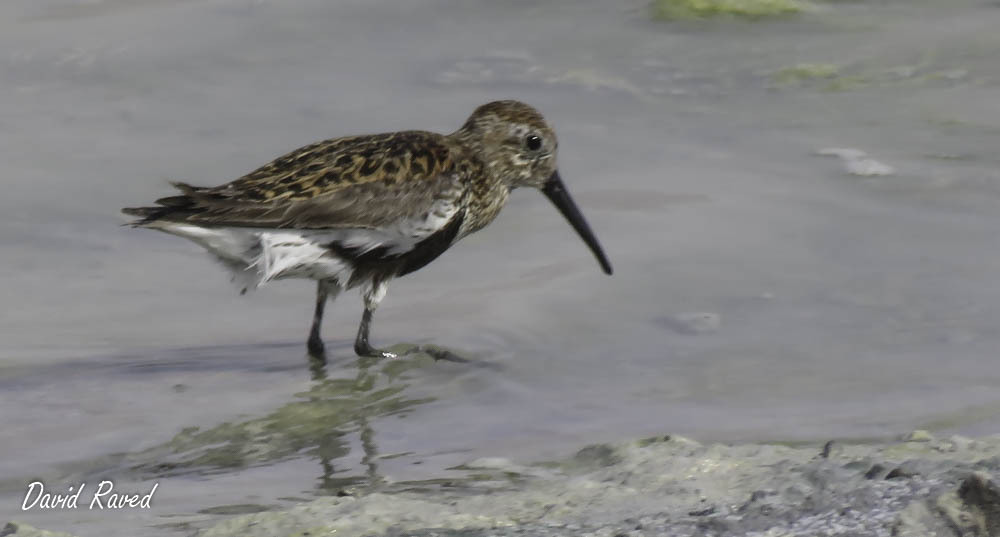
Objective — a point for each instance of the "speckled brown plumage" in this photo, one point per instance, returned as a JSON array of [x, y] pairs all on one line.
[[357, 181], [361, 210], [364, 181]]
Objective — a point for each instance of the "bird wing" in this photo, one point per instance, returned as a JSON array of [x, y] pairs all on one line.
[[407, 180]]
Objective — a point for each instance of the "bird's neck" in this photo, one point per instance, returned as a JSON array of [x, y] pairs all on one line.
[[485, 201]]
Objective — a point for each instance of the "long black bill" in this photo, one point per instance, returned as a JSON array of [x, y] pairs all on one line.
[[557, 193]]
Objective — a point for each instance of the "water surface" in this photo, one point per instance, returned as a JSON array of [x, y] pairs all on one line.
[[760, 292]]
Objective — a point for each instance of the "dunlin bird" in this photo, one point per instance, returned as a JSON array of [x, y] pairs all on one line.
[[362, 210]]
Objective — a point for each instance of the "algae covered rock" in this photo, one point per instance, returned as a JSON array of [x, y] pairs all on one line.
[[668, 485]]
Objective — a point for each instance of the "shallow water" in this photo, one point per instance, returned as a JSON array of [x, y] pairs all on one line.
[[760, 292]]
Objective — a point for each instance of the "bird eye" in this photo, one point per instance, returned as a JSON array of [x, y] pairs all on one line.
[[533, 141]]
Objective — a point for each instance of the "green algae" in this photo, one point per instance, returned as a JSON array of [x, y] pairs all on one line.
[[839, 78], [705, 9], [822, 76], [799, 74]]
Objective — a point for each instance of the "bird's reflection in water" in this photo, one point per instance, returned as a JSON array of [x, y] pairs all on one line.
[[340, 485], [344, 398]]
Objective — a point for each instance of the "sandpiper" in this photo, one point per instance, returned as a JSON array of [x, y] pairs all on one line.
[[362, 210]]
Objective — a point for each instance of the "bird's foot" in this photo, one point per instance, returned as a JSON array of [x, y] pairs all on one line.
[[316, 348], [364, 349]]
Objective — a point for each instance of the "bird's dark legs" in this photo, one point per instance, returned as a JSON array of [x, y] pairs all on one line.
[[323, 291], [373, 293]]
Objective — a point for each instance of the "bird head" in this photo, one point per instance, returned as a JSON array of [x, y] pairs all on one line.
[[516, 143]]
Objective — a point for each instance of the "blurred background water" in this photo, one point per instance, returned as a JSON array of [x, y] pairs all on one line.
[[761, 292]]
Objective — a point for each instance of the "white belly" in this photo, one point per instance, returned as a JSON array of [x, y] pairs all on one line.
[[256, 256]]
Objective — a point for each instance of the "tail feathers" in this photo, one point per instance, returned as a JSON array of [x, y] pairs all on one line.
[[146, 215], [175, 201], [176, 206]]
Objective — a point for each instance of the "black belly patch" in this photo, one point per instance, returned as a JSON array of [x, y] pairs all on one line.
[[378, 264]]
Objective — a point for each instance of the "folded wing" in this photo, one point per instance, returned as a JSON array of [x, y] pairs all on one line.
[[407, 180]]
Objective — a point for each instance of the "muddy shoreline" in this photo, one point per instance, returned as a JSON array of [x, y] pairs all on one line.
[[671, 486]]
